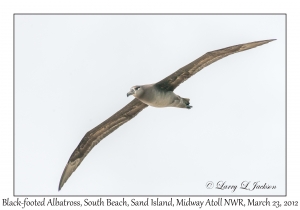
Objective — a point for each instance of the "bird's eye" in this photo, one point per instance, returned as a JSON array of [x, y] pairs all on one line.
[[137, 88]]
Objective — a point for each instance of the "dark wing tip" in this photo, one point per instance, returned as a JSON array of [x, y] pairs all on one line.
[[69, 169], [267, 41], [60, 186], [62, 179], [61, 183], [270, 40], [251, 45]]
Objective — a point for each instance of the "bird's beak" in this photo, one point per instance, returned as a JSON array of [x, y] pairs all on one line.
[[130, 93]]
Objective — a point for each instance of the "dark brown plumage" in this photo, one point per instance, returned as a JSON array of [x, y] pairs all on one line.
[[94, 136], [174, 80]]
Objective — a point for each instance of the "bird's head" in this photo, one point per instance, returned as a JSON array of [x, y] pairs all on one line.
[[136, 91]]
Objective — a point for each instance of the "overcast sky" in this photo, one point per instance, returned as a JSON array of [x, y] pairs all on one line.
[[73, 72]]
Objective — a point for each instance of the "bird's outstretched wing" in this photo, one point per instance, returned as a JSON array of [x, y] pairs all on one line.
[[174, 80], [94, 136]]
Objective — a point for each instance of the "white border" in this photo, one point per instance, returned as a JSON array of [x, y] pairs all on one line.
[[8, 8]]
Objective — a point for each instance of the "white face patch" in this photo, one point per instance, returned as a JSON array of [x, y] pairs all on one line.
[[134, 89]]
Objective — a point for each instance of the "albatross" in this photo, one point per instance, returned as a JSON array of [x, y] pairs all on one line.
[[159, 94]]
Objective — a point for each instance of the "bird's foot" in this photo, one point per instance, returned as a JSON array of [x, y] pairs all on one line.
[[188, 106]]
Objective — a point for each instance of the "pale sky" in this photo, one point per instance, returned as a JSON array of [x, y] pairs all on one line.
[[73, 72]]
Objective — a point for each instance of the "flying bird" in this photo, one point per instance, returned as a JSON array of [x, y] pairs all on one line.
[[159, 94]]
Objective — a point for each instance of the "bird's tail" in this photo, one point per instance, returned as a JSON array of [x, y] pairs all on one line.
[[186, 101]]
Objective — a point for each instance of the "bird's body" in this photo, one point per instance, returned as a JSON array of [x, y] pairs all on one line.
[[154, 96], [159, 94]]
